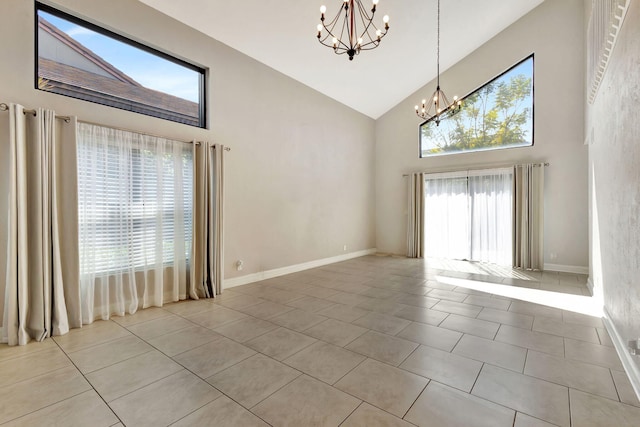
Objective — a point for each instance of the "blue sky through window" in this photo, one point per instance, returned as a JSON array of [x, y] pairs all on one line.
[[147, 69]]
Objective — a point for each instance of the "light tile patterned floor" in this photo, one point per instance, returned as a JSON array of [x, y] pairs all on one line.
[[371, 341]]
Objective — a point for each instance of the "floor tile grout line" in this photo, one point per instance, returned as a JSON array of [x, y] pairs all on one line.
[[90, 384], [197, 409], [569, 405], [107, 321], [300, 373], [55, 403], [348, 372], [351, 413], [416, 399]]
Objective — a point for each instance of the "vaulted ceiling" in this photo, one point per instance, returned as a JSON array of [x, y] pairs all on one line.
[[282, 35]]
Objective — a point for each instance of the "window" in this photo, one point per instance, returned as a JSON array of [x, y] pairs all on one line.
[[81, 60], [135, 199], [497, 115]]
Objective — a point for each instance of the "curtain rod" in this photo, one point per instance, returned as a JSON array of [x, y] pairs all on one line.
[[5, 107], [67, 119], [482, 168]]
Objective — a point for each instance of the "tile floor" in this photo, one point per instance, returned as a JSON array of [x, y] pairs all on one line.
[[374, 341]]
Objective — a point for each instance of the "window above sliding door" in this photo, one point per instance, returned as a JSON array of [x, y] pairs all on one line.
[[82, 60], [495, 116]]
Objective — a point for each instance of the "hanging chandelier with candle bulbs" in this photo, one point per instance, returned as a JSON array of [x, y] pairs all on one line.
[[438, 106], [352, 30]]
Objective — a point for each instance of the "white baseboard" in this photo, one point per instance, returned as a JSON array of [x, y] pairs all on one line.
[[630, 366], [263, 275], [590, 285], [566, 268]]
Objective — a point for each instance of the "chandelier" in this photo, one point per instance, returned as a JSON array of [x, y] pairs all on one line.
[[438, 104], [355, 32]]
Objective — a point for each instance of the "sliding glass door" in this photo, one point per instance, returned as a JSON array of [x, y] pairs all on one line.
[[468, 215]]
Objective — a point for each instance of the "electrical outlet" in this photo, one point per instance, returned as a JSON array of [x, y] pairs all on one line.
[[344, 248], [553, 255], [239, 265]]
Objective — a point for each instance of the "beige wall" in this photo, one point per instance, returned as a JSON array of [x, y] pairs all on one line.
[[614, 161], [299, 176], [554, 32]]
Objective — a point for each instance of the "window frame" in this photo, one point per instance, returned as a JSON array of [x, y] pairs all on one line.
[[202, 81], [478, 88]]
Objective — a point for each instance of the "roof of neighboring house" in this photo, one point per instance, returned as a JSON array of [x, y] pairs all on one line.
[[84, 51], [94, 87], [121, 91]]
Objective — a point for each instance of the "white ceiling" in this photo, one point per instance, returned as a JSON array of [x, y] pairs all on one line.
[[282, 35]]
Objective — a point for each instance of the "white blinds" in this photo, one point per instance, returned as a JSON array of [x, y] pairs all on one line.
[[135, 199]]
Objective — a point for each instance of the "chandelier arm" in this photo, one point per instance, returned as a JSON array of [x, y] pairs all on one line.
[[331, 26], [344, 27], [365, 18], [368, 38]]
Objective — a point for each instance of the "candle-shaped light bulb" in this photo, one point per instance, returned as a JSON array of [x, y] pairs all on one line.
[[335, 42], [359, 41], [385, 19], [424, 101], [378, 34], [323, 9], [375, 2], [417, 108], [455, 98], [435, 98]]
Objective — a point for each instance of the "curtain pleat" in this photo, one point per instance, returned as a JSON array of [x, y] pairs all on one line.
[[35, 302], [468, 215], [528, 217], [208, 216], [134, 220], [490, 211], [415, 213]]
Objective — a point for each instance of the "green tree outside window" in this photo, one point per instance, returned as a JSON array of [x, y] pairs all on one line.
[[497, 115]]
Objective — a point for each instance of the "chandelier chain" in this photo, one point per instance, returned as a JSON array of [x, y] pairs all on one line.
[[438, 105], [438, 49]]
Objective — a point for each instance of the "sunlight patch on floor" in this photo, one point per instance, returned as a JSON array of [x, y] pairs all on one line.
[[576, 303]]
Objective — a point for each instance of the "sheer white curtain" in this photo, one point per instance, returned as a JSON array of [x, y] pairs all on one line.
[[468, 215], [41, 291], [135, 202], [446, 228], [490, 210]]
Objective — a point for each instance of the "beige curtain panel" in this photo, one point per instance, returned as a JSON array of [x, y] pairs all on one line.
[[208, 215], [415, 214], [42, 294], [528, 216]]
